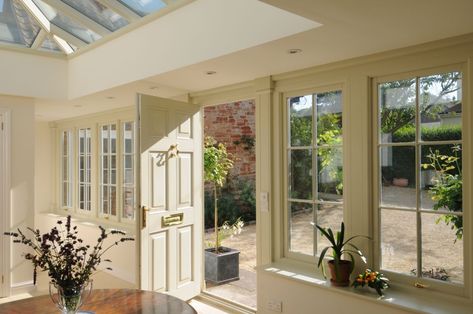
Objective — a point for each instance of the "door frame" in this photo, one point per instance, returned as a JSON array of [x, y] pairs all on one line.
[[5, 177]]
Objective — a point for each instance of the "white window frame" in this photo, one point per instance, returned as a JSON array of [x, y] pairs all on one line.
[[122, 159], [427, 283], [95, 122], [312, 259], [88, 178], [70, 169], [101, 185]]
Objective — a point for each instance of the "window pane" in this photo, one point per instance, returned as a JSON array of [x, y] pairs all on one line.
[[300, 120], [105, 199], [442, 251], [113, 200], [398, 241], [113, 139], [301, 232], [441, 178], [16, 25], [145, 7], [330, 174], [128, 177], [99, 13], [128, 202], [398, 176], [328, 216], [300, 185], [441, 107], [397, 109], [66, 23], [329, 118]]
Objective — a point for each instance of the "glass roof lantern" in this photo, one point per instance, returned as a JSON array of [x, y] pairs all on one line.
[[63, 26]]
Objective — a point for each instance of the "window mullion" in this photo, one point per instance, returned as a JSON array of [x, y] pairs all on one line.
[[315, 195], [417, 181]]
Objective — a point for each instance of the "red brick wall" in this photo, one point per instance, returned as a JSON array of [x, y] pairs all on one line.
[[234, 125]]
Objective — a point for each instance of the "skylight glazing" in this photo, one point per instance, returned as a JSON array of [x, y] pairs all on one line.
[[98, 13], [145, 7], [49, 45], [67, 25], [16, 25], [62, 21]]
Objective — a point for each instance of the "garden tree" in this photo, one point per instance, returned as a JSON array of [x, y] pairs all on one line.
[[447, 189], [329, 132], [403, 93], [217, 164]]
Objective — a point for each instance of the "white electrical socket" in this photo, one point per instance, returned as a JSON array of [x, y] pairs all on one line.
[[275, 306], [264, 198]]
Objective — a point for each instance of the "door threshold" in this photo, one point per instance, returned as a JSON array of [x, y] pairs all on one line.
[[224, 304]]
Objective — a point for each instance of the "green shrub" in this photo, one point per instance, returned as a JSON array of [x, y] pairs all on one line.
[[404, 156]]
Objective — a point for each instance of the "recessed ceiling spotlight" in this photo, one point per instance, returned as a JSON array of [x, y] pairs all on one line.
[[294, 51], [110, 97], [210, 72], [78, 106]]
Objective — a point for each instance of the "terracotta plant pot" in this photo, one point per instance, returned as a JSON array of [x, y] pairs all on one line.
[[401, 182], [342, 279]]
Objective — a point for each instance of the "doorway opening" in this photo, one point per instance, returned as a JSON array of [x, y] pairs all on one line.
[[233, 126]]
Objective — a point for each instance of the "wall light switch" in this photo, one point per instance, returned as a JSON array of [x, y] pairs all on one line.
[[264, 201]]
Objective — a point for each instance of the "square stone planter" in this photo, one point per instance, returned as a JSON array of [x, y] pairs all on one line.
[[223, 267]]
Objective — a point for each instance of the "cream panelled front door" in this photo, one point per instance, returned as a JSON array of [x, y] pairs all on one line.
[[171, 196]]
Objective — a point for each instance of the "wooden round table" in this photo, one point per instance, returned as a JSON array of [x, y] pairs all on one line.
[[106, 301]]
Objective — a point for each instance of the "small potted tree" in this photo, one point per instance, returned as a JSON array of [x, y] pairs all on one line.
[[221, 263], [340, 269]]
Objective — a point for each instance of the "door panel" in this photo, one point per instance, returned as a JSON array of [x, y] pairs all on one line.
[[159, 255], [185, 180], [171, 191]]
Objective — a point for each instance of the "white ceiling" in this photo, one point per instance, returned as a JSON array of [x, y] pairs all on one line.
[[350, 29]]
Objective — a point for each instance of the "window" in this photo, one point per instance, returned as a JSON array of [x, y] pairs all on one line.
[[98, 180], [84, 177], [108, 170], [128, 187], [419, 175], [66, 169], [315, 169]]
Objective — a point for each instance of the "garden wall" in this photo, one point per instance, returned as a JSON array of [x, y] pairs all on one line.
[[234, 125]]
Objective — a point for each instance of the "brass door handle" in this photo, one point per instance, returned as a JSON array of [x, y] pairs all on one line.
[[144, 211]]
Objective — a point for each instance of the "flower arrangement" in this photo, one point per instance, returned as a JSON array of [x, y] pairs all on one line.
[[372, 279], [63, 254]]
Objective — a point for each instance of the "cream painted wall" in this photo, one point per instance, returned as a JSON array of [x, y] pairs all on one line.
[[44, 168], [22, 178], [32, 75]]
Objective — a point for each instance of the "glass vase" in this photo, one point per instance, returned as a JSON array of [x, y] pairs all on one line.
[[69, 298]]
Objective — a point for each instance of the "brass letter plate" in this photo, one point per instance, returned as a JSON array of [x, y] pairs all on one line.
[[172, 220]]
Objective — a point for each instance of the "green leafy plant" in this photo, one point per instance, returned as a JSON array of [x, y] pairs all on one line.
[[447, 188], [227, 230], [372, 279], [217, 164], [339, 246]]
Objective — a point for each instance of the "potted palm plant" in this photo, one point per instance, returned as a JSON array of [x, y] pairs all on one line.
[[340, 269], [221, 263]]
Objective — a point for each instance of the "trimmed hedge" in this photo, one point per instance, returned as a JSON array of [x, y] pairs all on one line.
[[404, 156]]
